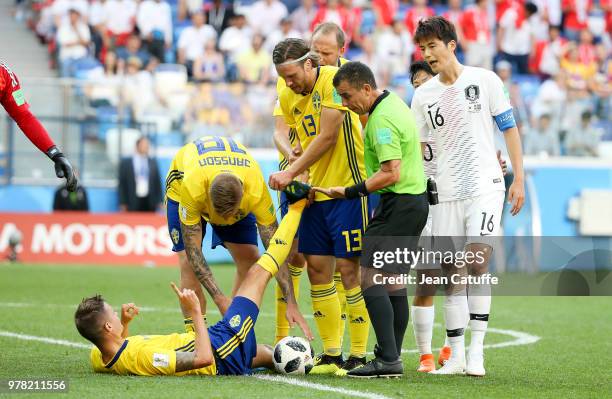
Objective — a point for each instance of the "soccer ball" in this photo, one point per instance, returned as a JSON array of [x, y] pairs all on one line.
[[293, 355]]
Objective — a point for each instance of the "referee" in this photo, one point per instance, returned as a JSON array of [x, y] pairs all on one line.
[[394, 166]]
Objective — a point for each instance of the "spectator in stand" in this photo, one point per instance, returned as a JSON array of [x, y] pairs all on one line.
[[186, 8], [550, 10], [139, 182], [154, 21], [286, 30], [353, 24], [586, 48], [543, 140], [65, 200], [583, 141], [385, 11], [417, 12], [538, 24], [254, 64], [104, 90], [60, 10], [551, 99], [331, 11], [120, 22], [378, 65], [579, 74], [548, 53], [138, 90], [97, 22], [454, 15], [302, 17], [265, 16], [192, 40], [209, 66], [394, 47], [73, 39], [233, 42], [218, 15], [575, 16], [515, 38], [477, 37], [133, 48]]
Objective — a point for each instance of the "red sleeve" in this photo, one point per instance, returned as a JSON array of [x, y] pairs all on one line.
[[13, 101]]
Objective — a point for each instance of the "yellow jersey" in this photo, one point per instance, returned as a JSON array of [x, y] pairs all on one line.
[[197, 164], [149, 355], [342, 165], [278, 111]]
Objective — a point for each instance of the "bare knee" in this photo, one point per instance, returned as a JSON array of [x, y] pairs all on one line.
[[349, 272], [425, 301]]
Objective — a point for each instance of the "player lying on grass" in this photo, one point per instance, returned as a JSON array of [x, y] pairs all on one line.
[[227, 348]]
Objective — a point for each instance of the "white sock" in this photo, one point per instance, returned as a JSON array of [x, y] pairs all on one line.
[[455, 308], [479, 303], [422, 322], [446, 343]]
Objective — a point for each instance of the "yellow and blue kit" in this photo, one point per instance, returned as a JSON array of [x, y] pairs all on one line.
[[232, 339], [333, 226], [187, 191]]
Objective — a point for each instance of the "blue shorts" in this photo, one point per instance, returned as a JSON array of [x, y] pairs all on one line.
[[233, 338], [242, 232], [334, 227]]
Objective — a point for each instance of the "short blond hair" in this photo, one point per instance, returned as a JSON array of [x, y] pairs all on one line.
[[226, 194]]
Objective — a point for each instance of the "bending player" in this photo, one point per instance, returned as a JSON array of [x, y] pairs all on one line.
[[215, 180], [328, 42], [227, 348]]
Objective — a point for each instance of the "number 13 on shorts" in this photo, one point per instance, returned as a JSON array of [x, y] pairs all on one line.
[[352, 238]]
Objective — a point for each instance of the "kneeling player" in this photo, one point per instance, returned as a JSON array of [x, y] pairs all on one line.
[[227, 348]]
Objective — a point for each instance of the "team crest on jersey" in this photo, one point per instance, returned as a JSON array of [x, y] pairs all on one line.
[[175, 235], [235, 321], [472, 94], [316, 101]]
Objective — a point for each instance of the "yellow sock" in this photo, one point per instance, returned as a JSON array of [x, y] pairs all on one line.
[[280, 244], [342, 299], [189, 323], [359, 321], [326, 307], [282, 325]]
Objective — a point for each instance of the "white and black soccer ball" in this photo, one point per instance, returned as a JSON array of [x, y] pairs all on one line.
[[293, 355]]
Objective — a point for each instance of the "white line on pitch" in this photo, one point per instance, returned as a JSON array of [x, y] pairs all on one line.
[[280, 379], [320, 387]]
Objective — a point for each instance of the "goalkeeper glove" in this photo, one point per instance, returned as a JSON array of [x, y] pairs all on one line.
[[63, 168]]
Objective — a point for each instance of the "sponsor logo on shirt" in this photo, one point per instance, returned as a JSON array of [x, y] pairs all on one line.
[[160, 360]]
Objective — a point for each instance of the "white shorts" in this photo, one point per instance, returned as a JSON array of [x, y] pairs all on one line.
[[472, 217]]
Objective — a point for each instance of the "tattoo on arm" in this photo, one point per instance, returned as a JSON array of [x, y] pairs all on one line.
[[192, 237], [266, 232], [285, 283], [184, 361]]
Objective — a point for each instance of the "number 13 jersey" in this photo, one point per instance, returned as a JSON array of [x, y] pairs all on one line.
[[460, 119]]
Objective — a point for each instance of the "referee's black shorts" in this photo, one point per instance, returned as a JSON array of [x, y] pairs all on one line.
[[398, 222]]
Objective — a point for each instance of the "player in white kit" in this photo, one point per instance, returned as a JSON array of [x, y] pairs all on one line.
[[460, 106]]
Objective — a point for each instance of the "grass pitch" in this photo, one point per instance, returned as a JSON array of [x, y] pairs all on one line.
[[542, 346]]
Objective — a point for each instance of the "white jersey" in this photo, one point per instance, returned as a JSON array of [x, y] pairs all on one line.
[[429, 157], [460, 117]]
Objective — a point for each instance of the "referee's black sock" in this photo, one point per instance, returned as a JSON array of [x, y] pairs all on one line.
[[381, 316], [401, 313]]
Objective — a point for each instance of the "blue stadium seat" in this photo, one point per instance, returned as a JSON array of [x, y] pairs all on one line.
[[108, 118], [83, 67]]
